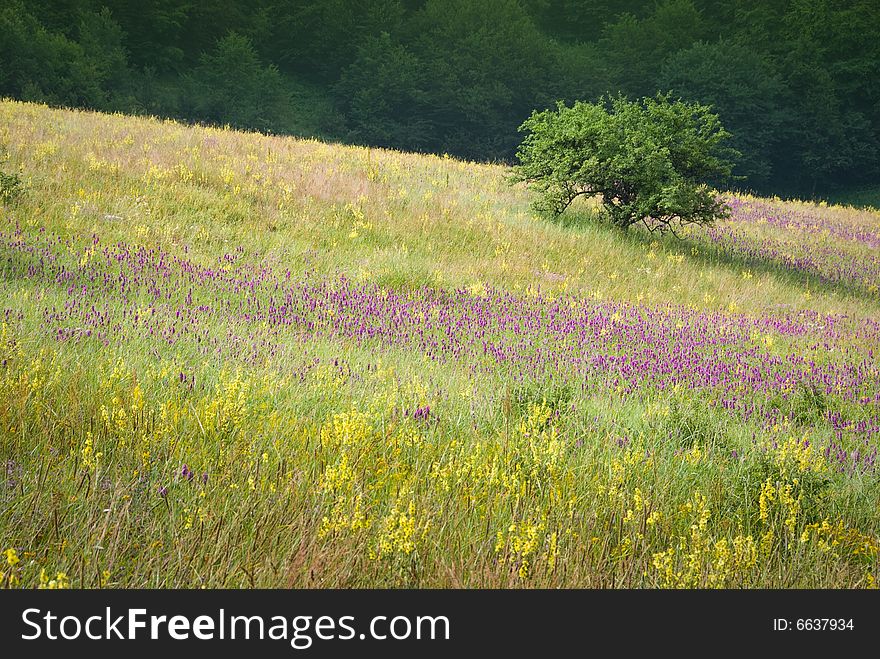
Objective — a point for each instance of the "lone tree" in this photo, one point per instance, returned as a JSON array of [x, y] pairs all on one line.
[[650, 161]]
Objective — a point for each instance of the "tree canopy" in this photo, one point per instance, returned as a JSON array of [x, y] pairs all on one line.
[[648, 161]]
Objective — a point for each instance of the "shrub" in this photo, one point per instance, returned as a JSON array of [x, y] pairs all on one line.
[[649, 161]]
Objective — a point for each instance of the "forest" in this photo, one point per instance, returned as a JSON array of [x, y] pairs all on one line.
[[796, 82]]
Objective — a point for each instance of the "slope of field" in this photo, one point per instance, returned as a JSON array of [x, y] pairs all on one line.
[[237, 360]]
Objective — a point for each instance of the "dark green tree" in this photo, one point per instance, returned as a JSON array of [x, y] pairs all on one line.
[[206, 22], [156, 31], [39, 65], [831, 65], [633, 49], [648, 161], [382, 93], [102, 39], [488, 65], [316, 40], [744, 90], [581, 20], [231, 85]]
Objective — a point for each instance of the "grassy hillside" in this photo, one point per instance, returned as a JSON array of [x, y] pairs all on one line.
[[239, 360]]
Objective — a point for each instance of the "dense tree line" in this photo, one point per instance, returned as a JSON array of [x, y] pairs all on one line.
[[796, 82]]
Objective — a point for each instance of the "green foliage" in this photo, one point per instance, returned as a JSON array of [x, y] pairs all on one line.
[[317, 40], [831, 65], [648, 161], [488, 65], [382, 93], [231, 85], [39, 65], [634, 49], [746, 92], [156, 30], [805, 405], [11, 187], [811, 486], [102, 39], [580, 20]]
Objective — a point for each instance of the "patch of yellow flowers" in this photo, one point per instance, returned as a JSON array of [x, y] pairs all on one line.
[[524, 544], [700, 561], [400, 532], [10, 577]]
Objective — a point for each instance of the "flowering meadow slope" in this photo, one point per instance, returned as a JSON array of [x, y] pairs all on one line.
[[242, 360]]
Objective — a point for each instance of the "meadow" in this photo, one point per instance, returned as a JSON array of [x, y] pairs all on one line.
[[238, 360]]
